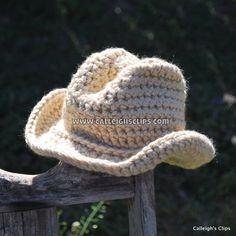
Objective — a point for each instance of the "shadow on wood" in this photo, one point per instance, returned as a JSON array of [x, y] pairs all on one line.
[[27, 202], [61, 185]]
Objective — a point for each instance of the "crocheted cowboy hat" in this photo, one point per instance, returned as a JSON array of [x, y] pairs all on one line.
[[110, 117]]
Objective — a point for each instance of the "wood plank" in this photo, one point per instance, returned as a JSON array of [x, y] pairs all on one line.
[[142, 216], [61, 185], [29, 223]]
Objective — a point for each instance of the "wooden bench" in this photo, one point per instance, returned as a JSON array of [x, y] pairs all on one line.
[[28, 202]]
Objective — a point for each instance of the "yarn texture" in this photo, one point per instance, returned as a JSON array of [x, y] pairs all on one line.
[[106, 119]]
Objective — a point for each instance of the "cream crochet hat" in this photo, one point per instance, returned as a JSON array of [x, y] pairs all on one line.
[[110, 117]]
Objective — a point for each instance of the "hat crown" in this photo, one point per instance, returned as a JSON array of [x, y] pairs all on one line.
[[121, 100]]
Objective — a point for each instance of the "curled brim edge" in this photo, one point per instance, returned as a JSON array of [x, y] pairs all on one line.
[[46, 136]]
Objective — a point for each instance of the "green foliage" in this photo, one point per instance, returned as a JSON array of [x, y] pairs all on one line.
[[87, 223], [42, 42]]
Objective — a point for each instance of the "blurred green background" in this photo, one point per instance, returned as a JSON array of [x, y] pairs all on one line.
[[43, 42]]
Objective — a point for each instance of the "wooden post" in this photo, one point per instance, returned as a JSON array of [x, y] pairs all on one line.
[[142, 217], [35, 222], [27, 202]]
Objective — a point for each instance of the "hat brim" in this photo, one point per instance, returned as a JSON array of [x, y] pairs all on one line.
[[46, 135]]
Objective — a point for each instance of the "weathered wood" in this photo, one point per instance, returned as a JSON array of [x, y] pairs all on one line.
[[40, 222], [142, 217], [62, 185]]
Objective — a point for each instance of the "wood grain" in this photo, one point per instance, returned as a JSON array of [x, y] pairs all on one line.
[[142, 216], [41, 222], [25, 199], [61, 185]]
